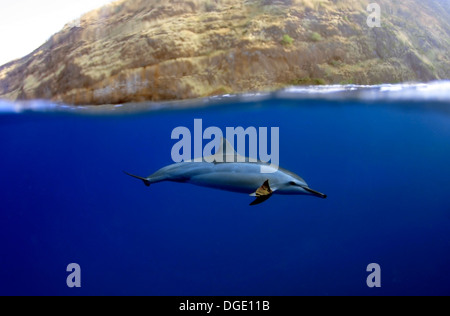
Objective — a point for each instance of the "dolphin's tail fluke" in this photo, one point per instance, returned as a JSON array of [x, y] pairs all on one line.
[[145, 180]]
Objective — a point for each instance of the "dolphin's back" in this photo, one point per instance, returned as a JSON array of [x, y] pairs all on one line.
[[180, 172]]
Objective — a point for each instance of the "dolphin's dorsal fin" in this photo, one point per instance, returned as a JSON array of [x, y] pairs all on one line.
[[225, 153], [263, 193], [225, 149]]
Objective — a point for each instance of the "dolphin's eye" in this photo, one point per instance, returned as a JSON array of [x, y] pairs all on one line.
[[292, 183]]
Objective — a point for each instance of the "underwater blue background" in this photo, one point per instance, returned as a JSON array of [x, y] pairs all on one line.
[[384, 167]]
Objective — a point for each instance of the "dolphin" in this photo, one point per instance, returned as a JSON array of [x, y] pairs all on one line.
[[242, 177]]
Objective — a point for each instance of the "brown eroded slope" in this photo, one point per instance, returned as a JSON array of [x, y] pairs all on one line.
[[138, 50]]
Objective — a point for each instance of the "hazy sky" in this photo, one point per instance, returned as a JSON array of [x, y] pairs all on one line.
[[27, 24]]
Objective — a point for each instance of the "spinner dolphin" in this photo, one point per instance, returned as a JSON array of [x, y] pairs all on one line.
[[243, 177]]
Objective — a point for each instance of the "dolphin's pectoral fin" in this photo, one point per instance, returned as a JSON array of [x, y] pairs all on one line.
[[263, 193]]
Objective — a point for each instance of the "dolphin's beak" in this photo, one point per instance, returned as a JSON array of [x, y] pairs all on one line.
[[314, 192]]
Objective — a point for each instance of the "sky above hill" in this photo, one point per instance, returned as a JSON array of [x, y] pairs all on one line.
[[27, 24]]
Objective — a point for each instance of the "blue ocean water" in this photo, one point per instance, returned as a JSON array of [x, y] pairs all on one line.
[[383, 164]]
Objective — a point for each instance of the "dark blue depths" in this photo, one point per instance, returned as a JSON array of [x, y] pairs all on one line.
[[385, 169]]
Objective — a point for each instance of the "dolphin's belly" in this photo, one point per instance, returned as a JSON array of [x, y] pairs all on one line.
[[235, 177], [243, 183]]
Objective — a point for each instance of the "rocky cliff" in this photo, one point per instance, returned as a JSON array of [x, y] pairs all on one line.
[[139, 50]]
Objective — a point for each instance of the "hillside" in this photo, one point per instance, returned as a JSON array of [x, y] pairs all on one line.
[[139, 50]]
